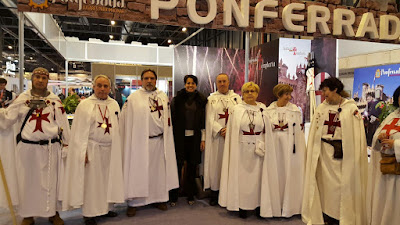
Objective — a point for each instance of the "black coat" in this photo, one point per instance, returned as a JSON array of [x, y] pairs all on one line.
[[178, 122]]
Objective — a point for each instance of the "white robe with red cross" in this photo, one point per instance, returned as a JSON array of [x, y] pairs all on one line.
[[384, 189], [39, 168], [216, 119], [95, 133], [290, 155], [336, 187], [150, 168]]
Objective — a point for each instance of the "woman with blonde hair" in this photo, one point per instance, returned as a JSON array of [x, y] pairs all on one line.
[[249, 177], [286, 120]]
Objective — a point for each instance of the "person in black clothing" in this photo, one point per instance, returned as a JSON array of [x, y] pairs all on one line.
[[372, 117], [188, 120], [6, 97]]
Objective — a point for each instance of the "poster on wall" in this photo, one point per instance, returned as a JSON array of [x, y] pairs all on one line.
[[292, 67], [374, 85], [263, 69], [206, 63]]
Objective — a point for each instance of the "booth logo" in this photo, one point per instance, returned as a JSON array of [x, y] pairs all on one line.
[[38, 3], [378, 73]]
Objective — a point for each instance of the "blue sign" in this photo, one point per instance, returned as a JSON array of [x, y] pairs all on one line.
[[378, 80]]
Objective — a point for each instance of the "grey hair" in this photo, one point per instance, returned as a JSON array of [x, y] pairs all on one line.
[[101, 76]]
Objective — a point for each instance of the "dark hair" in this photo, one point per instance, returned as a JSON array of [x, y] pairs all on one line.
[[372, 94], [194, 78], [148, 70], [396, 97], [333, 83], [3, 81]]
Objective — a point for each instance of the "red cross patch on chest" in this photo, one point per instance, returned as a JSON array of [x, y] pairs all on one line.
[[38, 115], [155, 107], [224, 116], [332, 123], [392, 126]]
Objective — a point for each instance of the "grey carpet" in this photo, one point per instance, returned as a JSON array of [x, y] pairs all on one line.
[[201, 213]]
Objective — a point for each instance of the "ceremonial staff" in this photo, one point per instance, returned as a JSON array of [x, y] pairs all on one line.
[[10, 206]]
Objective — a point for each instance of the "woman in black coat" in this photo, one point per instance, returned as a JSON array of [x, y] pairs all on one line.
[[188, 120]]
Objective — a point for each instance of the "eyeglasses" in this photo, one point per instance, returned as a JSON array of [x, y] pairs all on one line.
[[250, 91]]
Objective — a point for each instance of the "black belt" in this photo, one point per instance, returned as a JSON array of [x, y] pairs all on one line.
[[159, 135], [41, 142]]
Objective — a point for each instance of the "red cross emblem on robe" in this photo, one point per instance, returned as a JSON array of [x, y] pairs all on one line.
[[392, 126], [39, 117], [332, 123], [224, 116], [251, 132], [156, 108], [107, 129]]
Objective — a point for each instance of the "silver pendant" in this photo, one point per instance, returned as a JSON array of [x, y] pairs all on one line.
[[104, 126]]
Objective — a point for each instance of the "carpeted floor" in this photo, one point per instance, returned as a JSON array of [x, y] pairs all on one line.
[[182, 214]]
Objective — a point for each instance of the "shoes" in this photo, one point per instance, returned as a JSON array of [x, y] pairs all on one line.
[[172, 204], [56, 220], [161, 206], [131, 211], [190, 200], [28, 221], [213, 202], [89, 221], [258, 213], [242, 213], [111, 214]]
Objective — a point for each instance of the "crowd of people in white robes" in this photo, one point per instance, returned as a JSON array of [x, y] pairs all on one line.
[[254, 157]]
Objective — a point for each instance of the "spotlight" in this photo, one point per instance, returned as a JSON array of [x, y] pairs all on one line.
[[169, 41], [111, 36], [184, 29], [10, 47], [112, 22], [31, 58], [52, 69]]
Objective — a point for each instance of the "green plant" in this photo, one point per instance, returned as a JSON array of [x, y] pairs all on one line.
[[70, 103], [386, 108]]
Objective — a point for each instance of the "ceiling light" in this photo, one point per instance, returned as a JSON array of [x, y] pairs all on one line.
[[31, 58], [112, 22], [9, 58], [184, 29], [111, 36], [10, 47], [52, 69], [169, 41]]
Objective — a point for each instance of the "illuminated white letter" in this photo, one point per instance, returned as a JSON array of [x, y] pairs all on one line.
[[389, 23], [288, 17], [313, 19], [192, 13], [260, 14], [156, 5], [339, 24], [367, 25], [241, 16]]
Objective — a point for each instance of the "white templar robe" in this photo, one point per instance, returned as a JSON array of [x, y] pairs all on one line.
[[384, 189], [100, 182], [39, 168], [150, 168], [216, 119], [290, 152], [249, 173], [336, 187]]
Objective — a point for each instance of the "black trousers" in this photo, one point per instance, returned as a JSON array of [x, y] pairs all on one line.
[[188, 178]]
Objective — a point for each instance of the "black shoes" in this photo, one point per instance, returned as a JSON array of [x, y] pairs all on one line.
[[89, 221], [111, 214]]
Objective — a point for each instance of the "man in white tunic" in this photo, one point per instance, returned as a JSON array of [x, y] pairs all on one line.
[[150, 169], [217, 114], [94, 164], [336, 166], [41, 137]]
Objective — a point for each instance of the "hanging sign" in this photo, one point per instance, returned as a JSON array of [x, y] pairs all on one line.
[[285, 16]]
